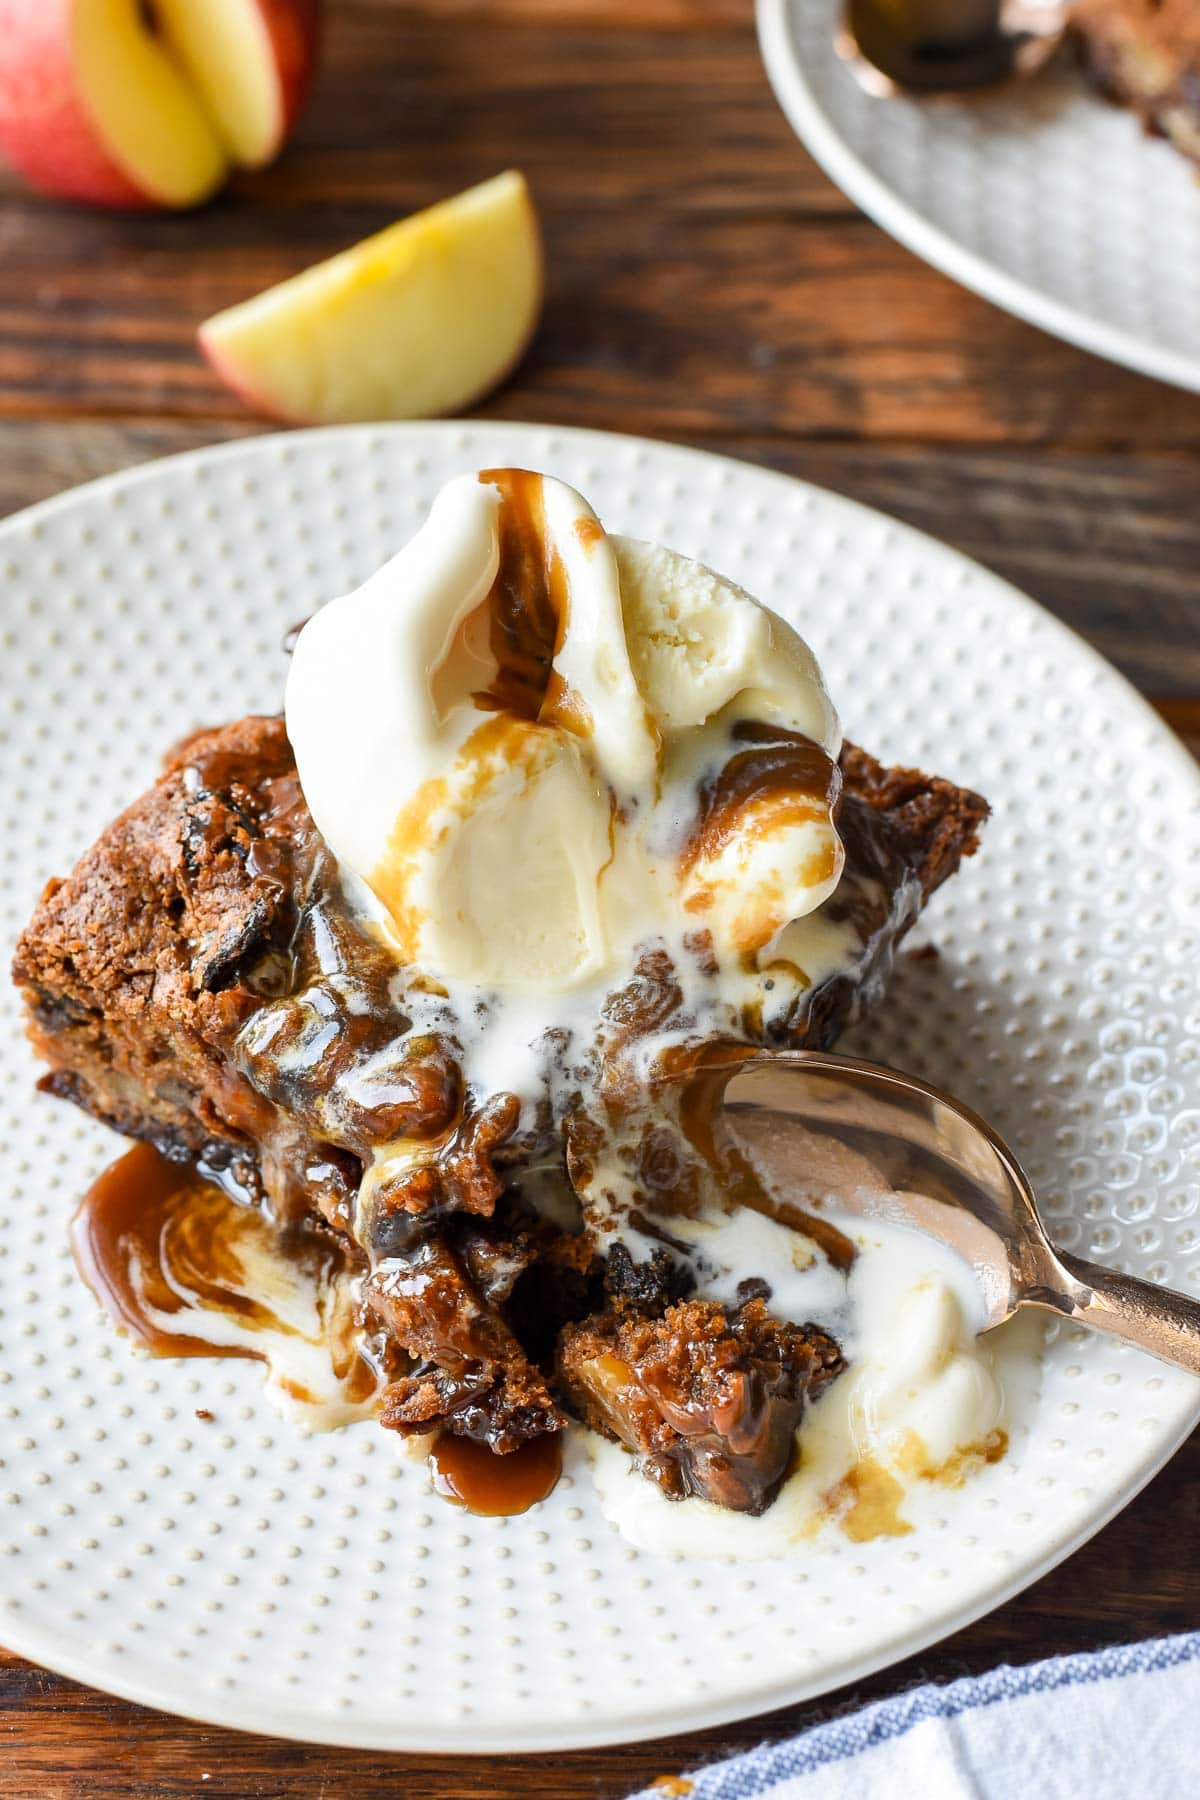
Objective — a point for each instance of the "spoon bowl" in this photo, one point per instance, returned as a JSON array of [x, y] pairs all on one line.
[[834, 1133], [929, 47]]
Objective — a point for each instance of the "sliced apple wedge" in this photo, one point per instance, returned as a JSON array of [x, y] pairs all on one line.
[[94, 108], [146, 102], [251, 62], [423, 318]]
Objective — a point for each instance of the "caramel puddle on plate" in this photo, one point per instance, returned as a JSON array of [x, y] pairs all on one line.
[[188, 1271], [472, 1476], [913, 1458], [866, 1502]]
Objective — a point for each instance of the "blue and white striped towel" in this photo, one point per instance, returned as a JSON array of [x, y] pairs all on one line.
[[1118, 1724]]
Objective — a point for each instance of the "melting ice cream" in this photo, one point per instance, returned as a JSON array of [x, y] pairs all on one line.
[[541, 748]]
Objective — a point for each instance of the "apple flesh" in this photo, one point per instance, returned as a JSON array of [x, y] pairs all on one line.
[[93, 108], [423, 318], [124, 104], [252, 61]]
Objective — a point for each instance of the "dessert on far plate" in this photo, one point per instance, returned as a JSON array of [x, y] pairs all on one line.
[[392, 994], [1146, 54]]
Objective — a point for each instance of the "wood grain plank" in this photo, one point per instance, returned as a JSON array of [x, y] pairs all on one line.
[[680, 15], [1110, 545], [1183, 716], [705, 277]]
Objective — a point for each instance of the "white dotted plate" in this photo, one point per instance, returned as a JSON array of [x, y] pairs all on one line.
[[1042, 197], [242, 1572]]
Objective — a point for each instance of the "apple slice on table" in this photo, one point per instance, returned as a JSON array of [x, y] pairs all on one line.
[[423, 318], [125, 103]]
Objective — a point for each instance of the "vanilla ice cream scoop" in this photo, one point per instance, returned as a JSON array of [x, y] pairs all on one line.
[[541, 747]]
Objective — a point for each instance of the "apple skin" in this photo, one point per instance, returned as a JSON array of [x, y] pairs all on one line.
[[294, 28], [234, 381], [45, 131]]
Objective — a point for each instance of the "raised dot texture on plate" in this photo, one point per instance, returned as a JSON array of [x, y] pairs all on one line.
[[238, 1570]]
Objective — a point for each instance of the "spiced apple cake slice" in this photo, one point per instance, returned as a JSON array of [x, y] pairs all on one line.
[[547, 807]]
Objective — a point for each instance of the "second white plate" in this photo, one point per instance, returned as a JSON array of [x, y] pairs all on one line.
[[1042, 197]]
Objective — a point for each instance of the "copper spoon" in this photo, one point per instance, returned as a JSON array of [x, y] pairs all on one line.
[[929, 47], [827, 1130]]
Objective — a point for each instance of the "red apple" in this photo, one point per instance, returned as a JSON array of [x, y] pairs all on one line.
[[128, 104]]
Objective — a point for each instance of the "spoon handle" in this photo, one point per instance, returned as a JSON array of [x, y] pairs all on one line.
[[1157, 1319]]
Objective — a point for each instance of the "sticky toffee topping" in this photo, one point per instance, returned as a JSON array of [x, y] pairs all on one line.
[[496, 1262]]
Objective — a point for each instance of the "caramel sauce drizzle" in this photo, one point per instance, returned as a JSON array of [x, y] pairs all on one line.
[[866, 1502], [142, 1217], [476, 1478], [778, 765], [507, 644], [528, 611], [149, 1232], [914, 1459]]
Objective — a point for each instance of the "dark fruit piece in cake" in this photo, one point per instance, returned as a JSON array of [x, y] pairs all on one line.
[[708, 1398]]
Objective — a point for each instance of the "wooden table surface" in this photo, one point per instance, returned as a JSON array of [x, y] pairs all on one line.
[[706, 284]]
